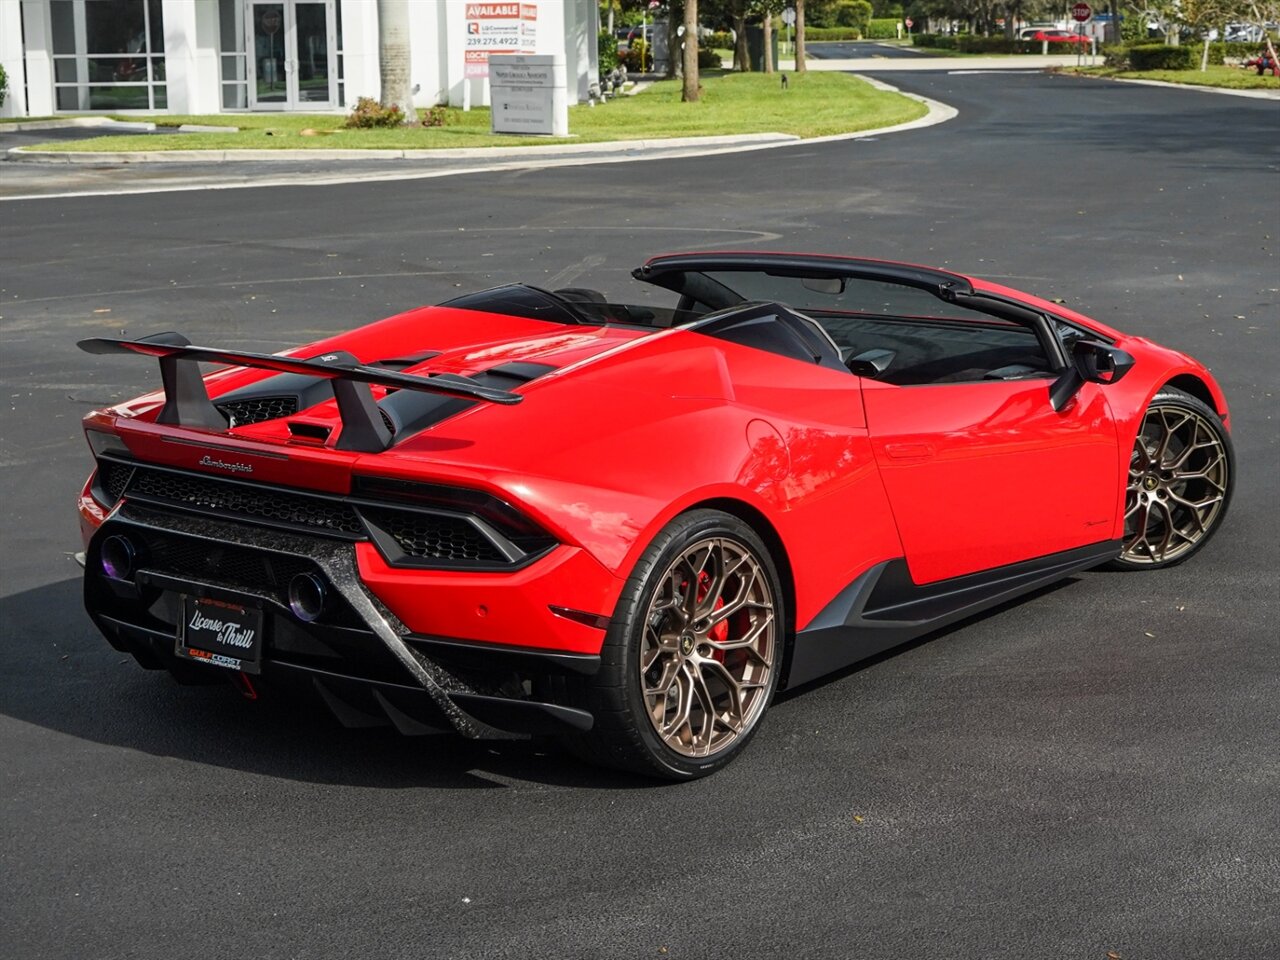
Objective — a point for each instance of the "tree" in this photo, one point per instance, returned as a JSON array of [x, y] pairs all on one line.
[[738, 11], [692, 89], [1202, 16], [854, 13], [394, 57], [767, 10], [800, 64], [1163, 13]]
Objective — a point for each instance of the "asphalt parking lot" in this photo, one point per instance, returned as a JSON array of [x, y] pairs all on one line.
[[1090, 772]]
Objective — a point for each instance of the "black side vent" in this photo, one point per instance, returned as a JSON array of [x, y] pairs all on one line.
[[315, 432], [112, 478], [433, 536]]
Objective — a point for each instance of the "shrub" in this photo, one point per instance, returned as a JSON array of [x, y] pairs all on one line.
[[435, 116], [937, 41], [1116, 56], [709, 59], [853, 13], [1221, 50], [370, 113], [882, 29], [1157, 56], [720, 39], [607, 47], [4, 85], [637, 58]]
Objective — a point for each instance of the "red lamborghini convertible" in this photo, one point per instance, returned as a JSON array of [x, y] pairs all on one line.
[[542, 512]]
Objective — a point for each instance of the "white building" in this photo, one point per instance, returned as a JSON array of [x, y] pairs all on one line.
[[215, 56]]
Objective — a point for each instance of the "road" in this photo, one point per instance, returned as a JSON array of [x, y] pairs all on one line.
[[1092, 770]]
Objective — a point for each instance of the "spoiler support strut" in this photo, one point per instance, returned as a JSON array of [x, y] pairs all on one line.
[[187, 403]]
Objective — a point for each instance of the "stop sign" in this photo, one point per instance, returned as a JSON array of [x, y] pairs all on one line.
[[1081, 12]]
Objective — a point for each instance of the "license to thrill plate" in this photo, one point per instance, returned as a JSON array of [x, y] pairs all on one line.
[[221, 634]]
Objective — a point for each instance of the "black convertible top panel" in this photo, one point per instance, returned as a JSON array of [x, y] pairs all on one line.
[[520, 300]]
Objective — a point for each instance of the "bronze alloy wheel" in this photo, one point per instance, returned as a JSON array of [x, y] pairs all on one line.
[[1179, 481], [709, 647], [693, 653]]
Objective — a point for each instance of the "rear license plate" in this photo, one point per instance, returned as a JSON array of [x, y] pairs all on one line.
[[221, 634]]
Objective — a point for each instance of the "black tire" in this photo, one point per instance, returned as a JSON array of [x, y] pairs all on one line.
[[626, 734], [1163, 524]]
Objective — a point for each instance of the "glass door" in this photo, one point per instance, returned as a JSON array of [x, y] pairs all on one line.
[[293, 54], [314, 82]]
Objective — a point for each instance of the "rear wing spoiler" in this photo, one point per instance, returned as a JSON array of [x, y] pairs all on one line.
[[187, 403]]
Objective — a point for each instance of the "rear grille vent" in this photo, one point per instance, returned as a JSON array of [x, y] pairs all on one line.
[[436, 536], [265, 504], [113, 478], [242, 412], [436, 527]]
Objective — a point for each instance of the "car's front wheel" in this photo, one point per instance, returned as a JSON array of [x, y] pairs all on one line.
[[1181, 474], [691, 659]]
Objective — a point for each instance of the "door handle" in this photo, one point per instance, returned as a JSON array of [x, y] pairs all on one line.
[[909, 451]]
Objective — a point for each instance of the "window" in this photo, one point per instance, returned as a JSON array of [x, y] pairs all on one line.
[[233, 60], [108, 55]]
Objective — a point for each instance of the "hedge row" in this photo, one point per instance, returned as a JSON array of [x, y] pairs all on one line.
[[1221, 49], [968, 43], [883, 29], [1118, 55], [1158, 56]]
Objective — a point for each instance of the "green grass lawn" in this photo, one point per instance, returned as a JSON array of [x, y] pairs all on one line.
[[1231, 78], [816, 104]]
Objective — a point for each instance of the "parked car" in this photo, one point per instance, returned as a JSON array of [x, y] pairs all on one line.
[[628, 526], [1060, 36]]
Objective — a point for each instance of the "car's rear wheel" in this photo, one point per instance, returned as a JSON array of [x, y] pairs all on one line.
[[1181, 474], [691, 659]]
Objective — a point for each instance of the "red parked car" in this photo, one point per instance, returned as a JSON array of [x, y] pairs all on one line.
[[628, 526], [1060, 36]]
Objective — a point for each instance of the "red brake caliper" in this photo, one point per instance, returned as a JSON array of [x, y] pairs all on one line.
[[720, 632]]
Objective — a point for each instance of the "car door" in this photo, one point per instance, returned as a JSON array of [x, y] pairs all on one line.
[[986, 473], [979, 469]]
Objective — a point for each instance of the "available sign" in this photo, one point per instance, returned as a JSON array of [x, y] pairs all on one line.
[[528, 94], [497, 28]]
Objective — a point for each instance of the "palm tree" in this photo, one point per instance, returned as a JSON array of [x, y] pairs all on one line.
[[394, 57], [800, 67]]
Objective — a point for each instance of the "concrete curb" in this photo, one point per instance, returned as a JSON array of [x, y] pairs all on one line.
[[105, 123], [748, 141], [1253, 94]]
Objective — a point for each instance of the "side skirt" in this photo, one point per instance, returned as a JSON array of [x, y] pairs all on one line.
[[884, 608]]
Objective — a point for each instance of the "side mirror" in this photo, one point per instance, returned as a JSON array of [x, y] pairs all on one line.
[[1098, 362], [1091, 362]]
